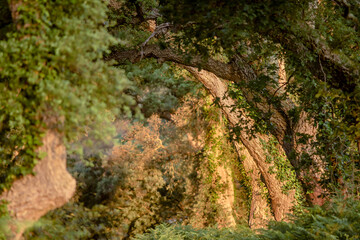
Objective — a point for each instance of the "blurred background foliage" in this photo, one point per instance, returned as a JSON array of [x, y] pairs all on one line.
[[53, 76]]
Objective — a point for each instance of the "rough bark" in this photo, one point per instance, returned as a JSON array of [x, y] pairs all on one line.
[[221, 179], [226, 197], [224, 178], [304, 126], [260, 212], [312, 176], [32, 196], [281, 203]]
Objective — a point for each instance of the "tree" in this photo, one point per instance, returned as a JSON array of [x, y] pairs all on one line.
[[311, 110]]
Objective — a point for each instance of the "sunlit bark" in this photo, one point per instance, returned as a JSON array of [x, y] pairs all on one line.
[[281, 203]]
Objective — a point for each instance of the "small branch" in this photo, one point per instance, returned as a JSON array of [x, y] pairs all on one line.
[[322, 70], [160, 29]]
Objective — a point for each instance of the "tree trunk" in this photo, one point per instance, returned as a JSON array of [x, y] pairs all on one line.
[[226, 197], [30, 197], [223, 177], [292, 143], [281, 203], [216, 194], [260, 212]]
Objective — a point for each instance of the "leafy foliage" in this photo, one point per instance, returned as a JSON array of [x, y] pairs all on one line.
[[74, 221], [319, 43], [160, 88], [177, 232], [52, 76], [283, 170], [338, 220], [4, 219]]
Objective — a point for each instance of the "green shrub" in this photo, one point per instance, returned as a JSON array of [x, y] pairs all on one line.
[[339, 219], [177, 232]]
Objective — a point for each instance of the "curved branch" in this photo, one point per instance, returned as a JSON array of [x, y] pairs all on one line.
[[221, 69]]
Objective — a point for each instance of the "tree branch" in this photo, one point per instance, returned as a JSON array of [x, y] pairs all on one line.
[[237, 71]]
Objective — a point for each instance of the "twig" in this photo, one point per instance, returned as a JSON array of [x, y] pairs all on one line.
[[160, 29]]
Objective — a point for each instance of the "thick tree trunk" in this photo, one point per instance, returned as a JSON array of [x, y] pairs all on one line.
[[292, 143], [260, 212], [281, 203], [226, 197], [216, 194], [30, 197], [223, 178]]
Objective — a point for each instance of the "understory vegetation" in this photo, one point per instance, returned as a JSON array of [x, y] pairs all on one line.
[[333, 221]]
